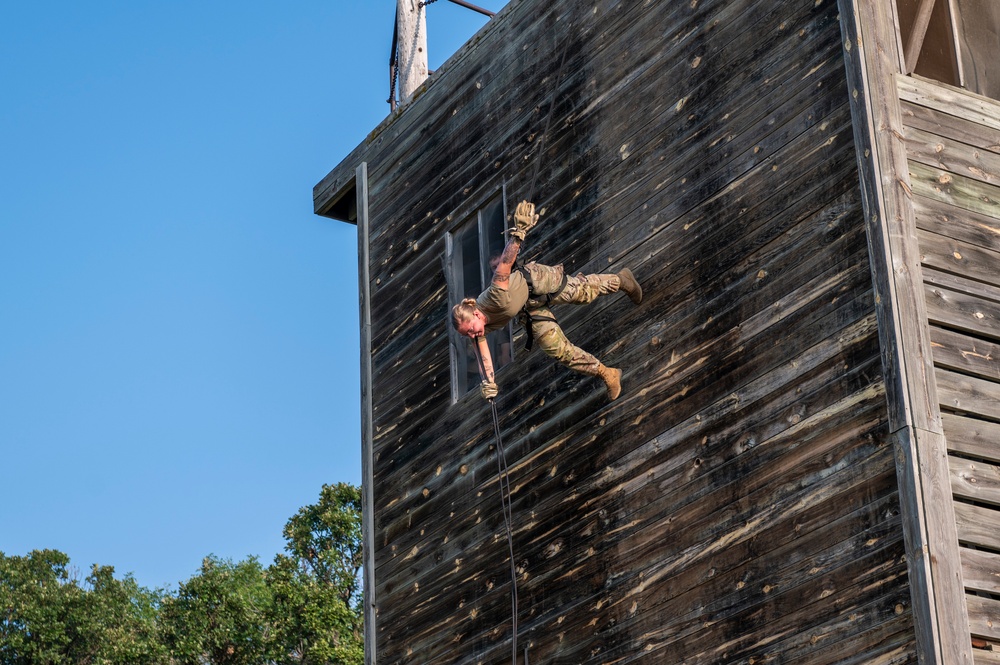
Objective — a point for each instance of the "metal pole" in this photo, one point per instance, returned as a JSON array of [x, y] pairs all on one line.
[[469, 5]]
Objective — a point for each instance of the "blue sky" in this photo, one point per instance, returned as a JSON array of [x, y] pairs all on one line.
[[178, 332]]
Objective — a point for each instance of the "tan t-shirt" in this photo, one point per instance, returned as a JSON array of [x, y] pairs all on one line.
[[501, 305]]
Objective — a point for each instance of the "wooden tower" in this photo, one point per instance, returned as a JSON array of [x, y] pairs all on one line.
[[804, 466]]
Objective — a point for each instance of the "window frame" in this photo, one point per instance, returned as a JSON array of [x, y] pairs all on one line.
[[457, 290]]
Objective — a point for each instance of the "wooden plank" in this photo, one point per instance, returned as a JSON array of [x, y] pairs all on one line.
[[984, 657], [698, 25], [946, 220], [960, 258], [871, 54], [950, 100], [940, 538], [966, 355], [975, 481], [984, 617], [367, 455], [981, 570], [679, 207], [598, 489], [583, 522], [972, 437], [745, 634], [954, 189], [952, 282], [969, 395], [977, 525], [948, 155], [962, 312], [328, 192], [845, 641], [957, 129], [734, 577]]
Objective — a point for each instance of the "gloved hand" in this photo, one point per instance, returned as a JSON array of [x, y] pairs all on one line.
[[488, 390], [524, 219]]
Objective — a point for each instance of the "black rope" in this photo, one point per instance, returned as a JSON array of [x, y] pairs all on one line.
[[393, 64], [508, 521], [505, 505]]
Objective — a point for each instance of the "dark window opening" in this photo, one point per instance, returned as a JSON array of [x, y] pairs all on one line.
[[979, 45], [474, 249], [952, 41]]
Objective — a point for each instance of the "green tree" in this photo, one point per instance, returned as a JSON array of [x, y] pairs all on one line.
[[36, 607], [219, 616], [304, 609], [315, 587], [119, 621], [46, 616]]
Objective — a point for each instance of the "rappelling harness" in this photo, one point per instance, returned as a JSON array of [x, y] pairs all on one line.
[[534, 302]]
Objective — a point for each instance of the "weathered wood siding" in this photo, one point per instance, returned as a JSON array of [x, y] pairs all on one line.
[[953, 150], [739, 502]]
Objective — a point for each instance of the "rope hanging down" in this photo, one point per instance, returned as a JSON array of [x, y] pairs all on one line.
[[505, 502], [502, 471]]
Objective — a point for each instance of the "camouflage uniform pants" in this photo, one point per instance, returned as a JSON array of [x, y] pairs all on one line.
[[579, 290]]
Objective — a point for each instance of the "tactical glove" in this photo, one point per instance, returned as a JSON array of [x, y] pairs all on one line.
[[488, 390], [524, 219]]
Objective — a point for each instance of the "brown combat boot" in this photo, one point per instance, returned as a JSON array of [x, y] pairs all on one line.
[[612, 379], [630, 286]]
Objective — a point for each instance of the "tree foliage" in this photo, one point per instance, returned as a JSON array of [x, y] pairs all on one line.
[[303, 609], [46, 616], [315, 587], [220, 615]]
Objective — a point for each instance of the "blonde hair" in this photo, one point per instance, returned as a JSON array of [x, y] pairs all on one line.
[[463, 312]]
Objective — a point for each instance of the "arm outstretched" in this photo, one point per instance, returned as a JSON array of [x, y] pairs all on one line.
[[524, 219]]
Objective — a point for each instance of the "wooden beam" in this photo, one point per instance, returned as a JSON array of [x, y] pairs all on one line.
[[411, 48], [917, 34], [367, 460], [886, 193], [955, 18], [871, 50]]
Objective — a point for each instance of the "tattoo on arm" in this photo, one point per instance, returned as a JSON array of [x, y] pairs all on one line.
[[507, 259]]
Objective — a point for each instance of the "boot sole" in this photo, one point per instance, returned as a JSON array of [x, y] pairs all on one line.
[[636, 295]]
